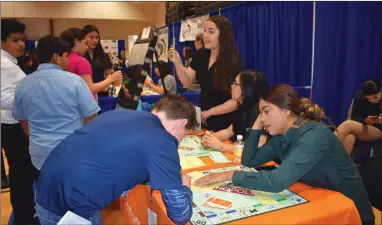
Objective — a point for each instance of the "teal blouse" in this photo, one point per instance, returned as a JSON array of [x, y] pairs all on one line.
[[310, 154]]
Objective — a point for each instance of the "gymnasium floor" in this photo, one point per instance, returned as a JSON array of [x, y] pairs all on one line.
[[111, 215]]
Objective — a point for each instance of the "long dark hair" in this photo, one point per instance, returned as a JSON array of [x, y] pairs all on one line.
[[99, 53], [165, 68], [71, 35], [253, 85], [371, 87], [228, 58], [286, 97]]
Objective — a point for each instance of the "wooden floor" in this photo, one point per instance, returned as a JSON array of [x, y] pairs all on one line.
[[111, 215]]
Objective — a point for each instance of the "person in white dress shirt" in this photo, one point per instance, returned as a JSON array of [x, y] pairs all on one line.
[[13, 139]]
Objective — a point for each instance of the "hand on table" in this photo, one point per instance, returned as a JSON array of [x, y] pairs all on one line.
[[148, 82], [214, 178], [211, 141]]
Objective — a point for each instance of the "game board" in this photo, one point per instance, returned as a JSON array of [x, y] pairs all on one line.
[[191, 145], [223, 202]]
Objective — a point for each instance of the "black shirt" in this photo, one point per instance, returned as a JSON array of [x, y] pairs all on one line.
[[98, 69], [208, 96], [243, 120], [362, 108]]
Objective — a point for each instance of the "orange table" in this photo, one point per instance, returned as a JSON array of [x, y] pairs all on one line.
[[324, 207]]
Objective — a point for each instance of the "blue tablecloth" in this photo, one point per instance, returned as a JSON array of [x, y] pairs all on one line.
[[194, 97], [107, 103]]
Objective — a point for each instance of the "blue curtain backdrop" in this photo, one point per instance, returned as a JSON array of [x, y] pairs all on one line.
[[275, 38], [347, 53]]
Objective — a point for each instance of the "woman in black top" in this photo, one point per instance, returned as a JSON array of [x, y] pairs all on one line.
[[215, 67], [247, 90], [366, 117], [96, 56]]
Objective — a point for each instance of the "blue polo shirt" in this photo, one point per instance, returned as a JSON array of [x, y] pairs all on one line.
[[54, 102], [114, 152]]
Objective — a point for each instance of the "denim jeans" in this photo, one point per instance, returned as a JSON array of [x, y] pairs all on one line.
[[48, 218]]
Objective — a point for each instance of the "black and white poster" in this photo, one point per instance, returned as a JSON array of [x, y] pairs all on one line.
[[110, 46], [191, 27], [162, 45]]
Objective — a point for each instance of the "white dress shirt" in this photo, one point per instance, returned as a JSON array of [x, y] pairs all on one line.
[[11, 74]]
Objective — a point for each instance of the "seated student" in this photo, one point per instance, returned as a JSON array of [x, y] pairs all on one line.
[[247, 89], [168, 78], [116, 151], [80, 66], [366, 117], [309, 151], [53, 102]]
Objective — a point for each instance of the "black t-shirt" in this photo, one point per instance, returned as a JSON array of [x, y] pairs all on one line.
[[208, 96], [243, 120], [98, 69], [362, 108]]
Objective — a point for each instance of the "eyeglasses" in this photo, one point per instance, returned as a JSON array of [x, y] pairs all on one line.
[[235, 83]]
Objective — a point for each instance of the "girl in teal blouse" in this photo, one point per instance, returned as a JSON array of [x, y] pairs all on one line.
[[309, 152]]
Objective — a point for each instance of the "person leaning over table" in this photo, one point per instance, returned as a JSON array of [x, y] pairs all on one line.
[[309, 152], [246, 90], [111, 155], [215, 67]]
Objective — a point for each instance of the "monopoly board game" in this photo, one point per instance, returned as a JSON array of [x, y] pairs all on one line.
[[191, 145], [223, 202]]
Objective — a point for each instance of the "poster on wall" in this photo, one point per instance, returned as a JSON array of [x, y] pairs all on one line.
[[191, 27], [111, 48], [162, 45]]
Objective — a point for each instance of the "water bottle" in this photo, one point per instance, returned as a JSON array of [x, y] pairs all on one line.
[[238, 147]]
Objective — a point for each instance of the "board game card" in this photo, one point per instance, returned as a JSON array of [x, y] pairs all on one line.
[[218, 157], [217, 203], [187, 162]]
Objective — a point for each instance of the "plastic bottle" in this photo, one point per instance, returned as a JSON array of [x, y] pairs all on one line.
[[238, 149]]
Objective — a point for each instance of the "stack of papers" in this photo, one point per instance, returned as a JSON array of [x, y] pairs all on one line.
[[72, 218]]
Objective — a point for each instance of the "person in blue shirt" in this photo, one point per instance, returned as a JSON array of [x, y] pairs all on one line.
[[52, 103], [115, 152], [309, 152]]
